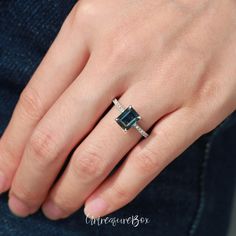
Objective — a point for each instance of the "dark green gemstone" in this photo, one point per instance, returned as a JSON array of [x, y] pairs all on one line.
[[128, 118]]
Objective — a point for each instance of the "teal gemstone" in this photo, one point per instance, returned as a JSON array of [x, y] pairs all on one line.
[[128, 118]]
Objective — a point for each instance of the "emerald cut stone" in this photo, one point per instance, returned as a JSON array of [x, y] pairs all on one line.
[[128, 118]]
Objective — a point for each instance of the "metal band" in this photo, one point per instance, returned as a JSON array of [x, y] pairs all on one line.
[[141, 131], [118, 105]]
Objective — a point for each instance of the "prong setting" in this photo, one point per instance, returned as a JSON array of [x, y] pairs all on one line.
[[128, 118]]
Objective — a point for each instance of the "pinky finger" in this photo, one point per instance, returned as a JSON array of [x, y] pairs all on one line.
[[169, 138]]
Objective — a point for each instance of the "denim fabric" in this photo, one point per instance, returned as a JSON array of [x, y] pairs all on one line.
[[191, 197]]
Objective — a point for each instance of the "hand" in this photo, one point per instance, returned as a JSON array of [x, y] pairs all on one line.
[[174, 61]]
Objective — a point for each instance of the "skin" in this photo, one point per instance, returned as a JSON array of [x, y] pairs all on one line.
[[173, 61]]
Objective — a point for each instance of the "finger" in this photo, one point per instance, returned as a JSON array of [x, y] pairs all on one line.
[[168, 139], [96, 156], [63, 62], [64, 125]]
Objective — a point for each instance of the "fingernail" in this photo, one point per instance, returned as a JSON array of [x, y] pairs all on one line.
[[2, 182], [95, 208], [18, 207], [51, 211]]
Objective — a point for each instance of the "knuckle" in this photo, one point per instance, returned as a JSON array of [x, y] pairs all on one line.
[[30, 103], [8, 159], [65, 204], [207, 125], [25, 195], [84, 11], [191, 5], [167, 145], [204, 129], [122, 49], [147, 161], [202, 121], [167, 139], [120, 194], [88, 164], [43, 146]]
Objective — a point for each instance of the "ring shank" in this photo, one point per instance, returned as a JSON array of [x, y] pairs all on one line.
[[141, 131]]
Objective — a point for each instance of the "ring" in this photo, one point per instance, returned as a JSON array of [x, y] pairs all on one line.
[[128, 118]]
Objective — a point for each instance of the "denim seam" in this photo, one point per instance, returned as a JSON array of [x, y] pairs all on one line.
[[202, 179]]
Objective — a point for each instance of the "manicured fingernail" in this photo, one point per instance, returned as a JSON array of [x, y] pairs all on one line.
[[95, 208], [51, 211], [2, 182], [18, 207]]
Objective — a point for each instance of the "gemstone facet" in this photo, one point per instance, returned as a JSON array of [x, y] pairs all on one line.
[[128, 118]]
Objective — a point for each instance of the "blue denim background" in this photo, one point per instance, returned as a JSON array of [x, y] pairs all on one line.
[[192, 196]]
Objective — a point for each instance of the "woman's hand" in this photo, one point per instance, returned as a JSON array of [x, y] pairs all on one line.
[[174, 61]]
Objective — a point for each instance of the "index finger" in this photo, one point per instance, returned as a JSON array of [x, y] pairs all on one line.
[[63, 62]]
